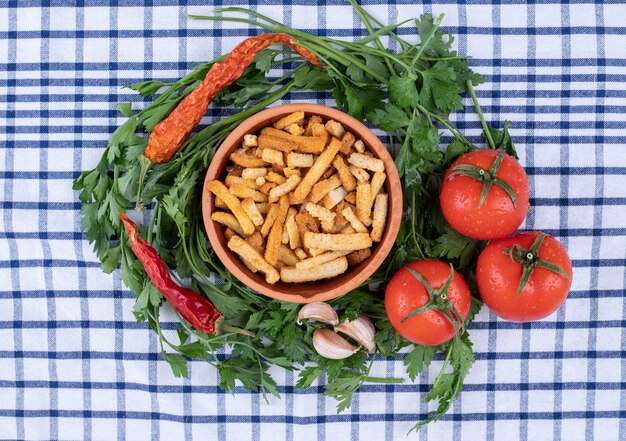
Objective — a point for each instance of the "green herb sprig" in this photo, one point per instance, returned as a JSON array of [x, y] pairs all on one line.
[[409, 94]]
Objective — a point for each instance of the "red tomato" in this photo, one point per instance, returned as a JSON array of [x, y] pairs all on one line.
[[497, 216], [498, 276], [406, 293]]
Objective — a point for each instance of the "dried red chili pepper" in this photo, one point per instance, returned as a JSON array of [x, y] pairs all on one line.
[[170, 133], [193, 307], [167, 137]]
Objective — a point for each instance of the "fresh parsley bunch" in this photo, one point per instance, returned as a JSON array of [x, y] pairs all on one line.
[[409, 94]]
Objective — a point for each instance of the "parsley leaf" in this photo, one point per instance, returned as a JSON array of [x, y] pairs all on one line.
[[390, 118], [419, 358], [453, 245], [437, 45], [403, 91], [440, 91], [502, 139]]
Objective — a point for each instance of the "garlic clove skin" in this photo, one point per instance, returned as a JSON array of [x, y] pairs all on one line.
[[331, 345], [361, 330], [318, 311]]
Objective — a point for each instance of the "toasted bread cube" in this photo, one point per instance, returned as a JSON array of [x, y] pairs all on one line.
[[317, 170], [318, 130], [229, 221], [228, 233], [294, 129], [284, 188], [358, 256], [359, 146], [275, 178], [366, 162], [322, 188], [335, 129], [288, 171], [274, 238], [231, 180], [323, 271], [326, 217], [220, 204], [263, 207], [350, 198], [379, 218], [292, 229], [346, 143], [294, 118], [354, 220], [306, 222], [314, 119], [334, 197], [273, 156], [256, 241], [287, 256], [347, 178], [245, 160], [361, 175], [266, 188], [253, 212], [295, 160], [253, 173], [226, 195], [329, 172], [313, 262], [299, 252], [378, 180], [304, 144], [285, 238], [363, 203], [234, 170], [337, 242], [260, 181], [348, 230], [250, 141], [254, 258], [244, 192], [272, 213], [271, 141]]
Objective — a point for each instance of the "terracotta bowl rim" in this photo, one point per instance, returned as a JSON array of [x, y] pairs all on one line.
[[353, 277]]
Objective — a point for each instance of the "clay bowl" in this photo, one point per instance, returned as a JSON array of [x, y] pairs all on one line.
[[312, 291]]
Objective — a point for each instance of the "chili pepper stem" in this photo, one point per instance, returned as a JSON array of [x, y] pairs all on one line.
[[145, 165], [221, 326]]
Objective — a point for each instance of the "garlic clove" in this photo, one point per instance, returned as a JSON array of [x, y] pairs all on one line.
[[331, 345], [361, 330], [318, 311]]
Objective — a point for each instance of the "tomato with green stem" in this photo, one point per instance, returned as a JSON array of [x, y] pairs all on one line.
[[484, 194], [427, 301], [525, 277]]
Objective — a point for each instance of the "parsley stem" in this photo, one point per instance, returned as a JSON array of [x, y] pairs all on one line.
[[444, 123], [384, 380], [152, 221], [370, 29], [470, 89], [424, 43]]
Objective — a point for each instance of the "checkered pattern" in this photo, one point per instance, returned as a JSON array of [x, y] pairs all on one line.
[[75, 365]]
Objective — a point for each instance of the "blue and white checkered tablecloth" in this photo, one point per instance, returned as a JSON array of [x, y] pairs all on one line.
[[74, 364]]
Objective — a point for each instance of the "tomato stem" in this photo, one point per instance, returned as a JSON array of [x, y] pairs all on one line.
[[530, 260], [438, 301], [487, 177]]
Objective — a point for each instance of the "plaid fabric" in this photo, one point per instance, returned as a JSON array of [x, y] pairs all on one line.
[[75, 365]]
